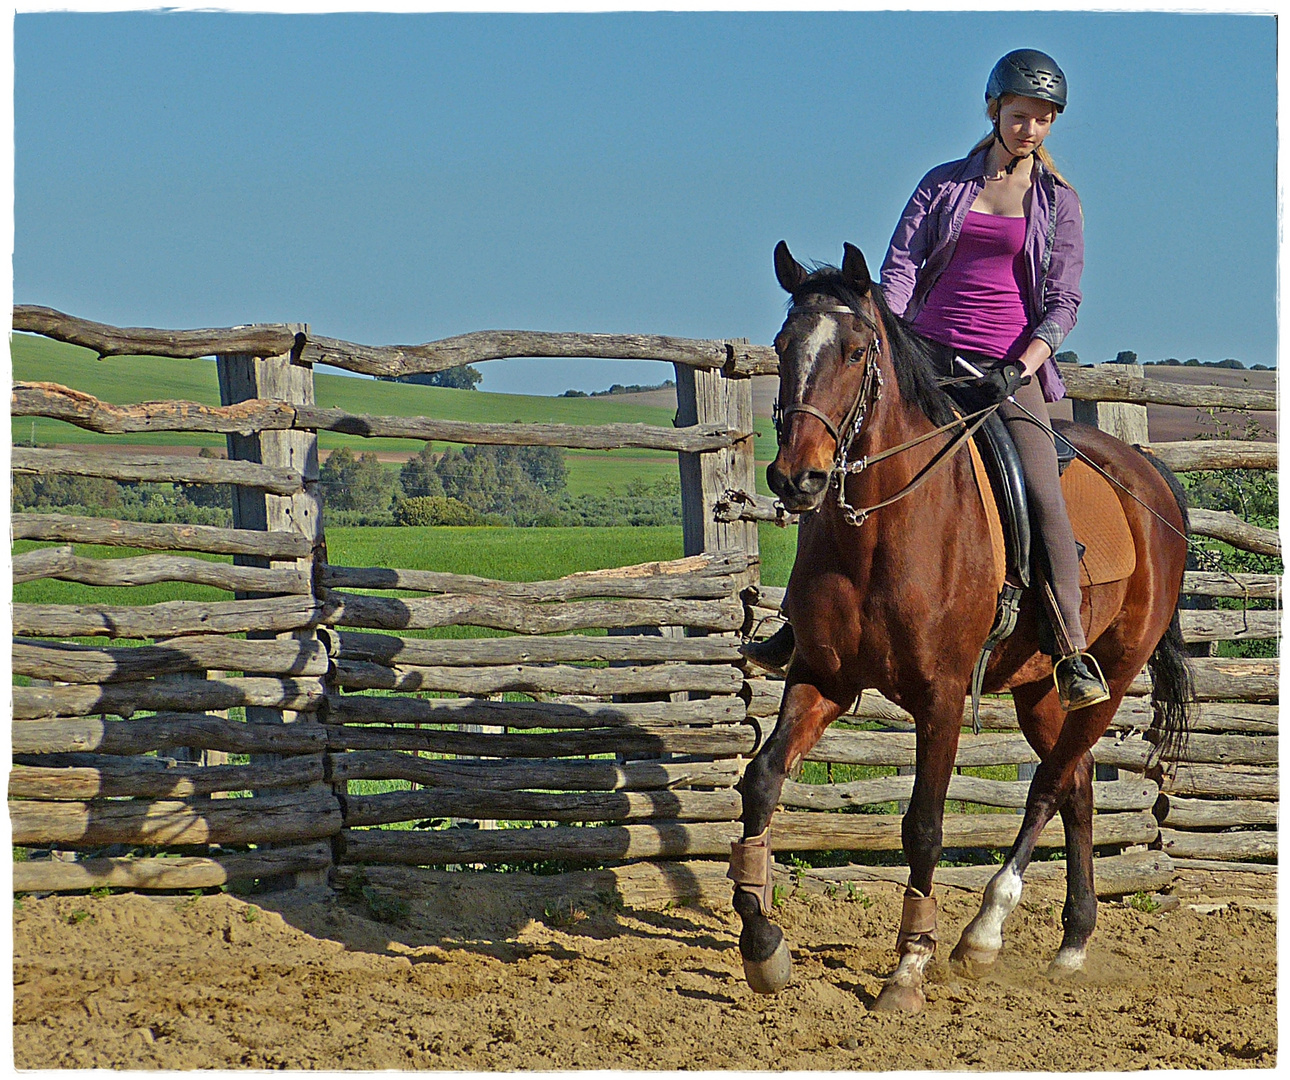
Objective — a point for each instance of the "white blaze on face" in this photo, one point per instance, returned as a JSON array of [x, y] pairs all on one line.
[[823, 335]]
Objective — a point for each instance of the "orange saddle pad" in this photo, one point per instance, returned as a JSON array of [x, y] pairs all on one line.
[[1096, 516]]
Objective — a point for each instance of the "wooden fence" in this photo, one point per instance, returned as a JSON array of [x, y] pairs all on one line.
[[611, 721]]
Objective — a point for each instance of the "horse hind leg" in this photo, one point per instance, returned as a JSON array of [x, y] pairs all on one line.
[[1079, 914], [804, 715]]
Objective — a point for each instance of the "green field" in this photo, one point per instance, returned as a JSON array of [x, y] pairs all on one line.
[[123, 380]]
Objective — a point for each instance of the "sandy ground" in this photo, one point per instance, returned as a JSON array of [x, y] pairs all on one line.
[[470, 979]]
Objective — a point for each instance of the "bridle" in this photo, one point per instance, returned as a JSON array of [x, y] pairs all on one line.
[[846, 433]]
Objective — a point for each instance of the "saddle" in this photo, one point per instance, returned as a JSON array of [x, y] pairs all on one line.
[[1102, 538]]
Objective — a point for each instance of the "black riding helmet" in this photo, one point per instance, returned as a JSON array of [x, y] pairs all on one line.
[[1026, 73]]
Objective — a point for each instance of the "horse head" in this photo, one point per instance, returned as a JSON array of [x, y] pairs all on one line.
[[828, 353]]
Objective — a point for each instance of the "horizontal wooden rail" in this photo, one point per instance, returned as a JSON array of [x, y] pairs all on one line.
[[1100, 383], [62, 564], [396, 806], [1200, 625], [360, 709], [259, 820], [1184, 813], [1134, 713], [63, 662], [1197, 455], [170, 618], [500, 613], [188, 872], [1212, 583], [1219, 525], [474, 348], [209, 539], [699, 439], [542, 679], [98, 776], [467, 652], [1108, 795], [697, 577], [1219, 678], [186, 695], [518, 774], [59, 402], [95, 734], [793, 832], [1247, 844], [726, 740], [266, 339], [1230, 781], [162, 468]]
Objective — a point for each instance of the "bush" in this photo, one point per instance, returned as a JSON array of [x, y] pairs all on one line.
[[458, 378], [62, 492], [433, 510]]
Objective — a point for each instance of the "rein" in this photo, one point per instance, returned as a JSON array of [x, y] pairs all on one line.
[[845, 433]]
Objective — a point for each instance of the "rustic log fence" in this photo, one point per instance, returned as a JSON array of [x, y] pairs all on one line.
[[369, 750]]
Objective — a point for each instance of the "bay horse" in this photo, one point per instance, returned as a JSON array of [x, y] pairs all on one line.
[[902, 602]]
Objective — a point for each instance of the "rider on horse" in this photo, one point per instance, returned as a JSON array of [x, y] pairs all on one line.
[[986, 259]]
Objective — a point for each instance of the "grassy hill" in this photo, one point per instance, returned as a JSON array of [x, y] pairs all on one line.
[[128, 380]]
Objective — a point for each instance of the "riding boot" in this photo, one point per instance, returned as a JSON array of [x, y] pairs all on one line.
[[1079, 681], [774, 653]]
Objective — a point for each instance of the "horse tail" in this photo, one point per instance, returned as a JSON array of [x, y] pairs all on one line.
[[1172, 685]]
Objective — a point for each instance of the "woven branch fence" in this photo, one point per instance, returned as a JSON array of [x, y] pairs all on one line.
[[190, 744]]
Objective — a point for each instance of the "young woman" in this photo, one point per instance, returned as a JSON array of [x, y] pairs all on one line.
[[986, 259]]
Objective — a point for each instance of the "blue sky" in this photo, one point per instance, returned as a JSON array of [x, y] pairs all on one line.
[[401, 178]]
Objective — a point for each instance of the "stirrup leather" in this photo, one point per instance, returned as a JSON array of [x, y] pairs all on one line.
[[750, 869], [917, 918], [1091, 661]]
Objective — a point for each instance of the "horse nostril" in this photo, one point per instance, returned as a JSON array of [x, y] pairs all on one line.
[[811, 481]]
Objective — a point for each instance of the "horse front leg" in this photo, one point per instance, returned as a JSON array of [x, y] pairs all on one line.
[[1079, 914], [921, 835], [803, 715]]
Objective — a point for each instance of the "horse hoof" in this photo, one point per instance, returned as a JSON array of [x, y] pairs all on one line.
[[1066, 963], [770, 976], [971, 960], [896, 997]]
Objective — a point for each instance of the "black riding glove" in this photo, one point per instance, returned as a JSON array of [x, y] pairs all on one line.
[[998, 384]]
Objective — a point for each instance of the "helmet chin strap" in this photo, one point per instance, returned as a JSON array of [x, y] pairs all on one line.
[[1017, 158]]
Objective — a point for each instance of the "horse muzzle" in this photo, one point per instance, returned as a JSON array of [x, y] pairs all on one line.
[[800, 491]]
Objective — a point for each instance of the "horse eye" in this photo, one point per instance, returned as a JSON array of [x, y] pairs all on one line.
[[858, 355]]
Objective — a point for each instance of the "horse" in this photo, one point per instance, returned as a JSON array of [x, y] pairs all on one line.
[[900, 595]]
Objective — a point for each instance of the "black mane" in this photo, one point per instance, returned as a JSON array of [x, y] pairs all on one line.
[[918, 361]]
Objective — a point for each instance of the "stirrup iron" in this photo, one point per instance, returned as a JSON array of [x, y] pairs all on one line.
[[1005, 621], [1090, 661]]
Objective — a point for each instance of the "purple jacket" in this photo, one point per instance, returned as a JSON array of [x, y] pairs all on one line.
[[925, 238]]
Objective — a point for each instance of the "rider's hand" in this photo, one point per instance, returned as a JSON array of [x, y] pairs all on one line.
[[1000, 383]]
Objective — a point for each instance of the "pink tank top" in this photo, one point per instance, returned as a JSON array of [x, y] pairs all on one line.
[[977, 302]]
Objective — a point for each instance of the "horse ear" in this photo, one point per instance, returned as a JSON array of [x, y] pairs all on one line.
[[790, 273], [855, 271]]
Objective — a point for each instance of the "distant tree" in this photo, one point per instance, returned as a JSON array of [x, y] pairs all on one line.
[[417, 478], [1125, 356], [1260, 367], [458, 378], [350, 483], [1230, 363], [1193, 362], [433, 510], [574, 393], [1172, 361], [1067, 357]]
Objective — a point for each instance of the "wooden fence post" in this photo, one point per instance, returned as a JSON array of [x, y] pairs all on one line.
[[243, 377], [713, 397], [1127, 422]]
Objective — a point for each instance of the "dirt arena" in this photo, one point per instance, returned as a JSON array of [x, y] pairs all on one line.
[[471, 979]]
